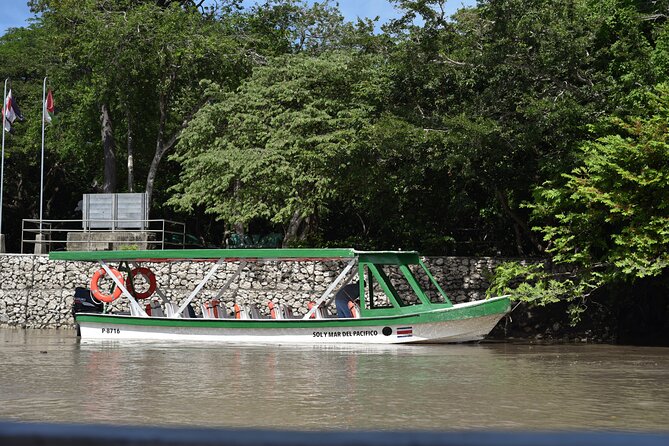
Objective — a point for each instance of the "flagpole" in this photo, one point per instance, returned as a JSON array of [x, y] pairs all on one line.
[[2, 162], [41, 178]]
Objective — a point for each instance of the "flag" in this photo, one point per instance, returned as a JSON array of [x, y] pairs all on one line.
[[10, 112], [404, 332], [48, 108]]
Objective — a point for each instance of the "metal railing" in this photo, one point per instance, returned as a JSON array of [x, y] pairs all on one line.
[[71, 234]]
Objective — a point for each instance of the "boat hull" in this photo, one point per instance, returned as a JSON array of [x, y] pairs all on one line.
[[461, 323]]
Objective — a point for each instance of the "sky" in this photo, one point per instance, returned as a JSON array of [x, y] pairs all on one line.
[[15, 13]]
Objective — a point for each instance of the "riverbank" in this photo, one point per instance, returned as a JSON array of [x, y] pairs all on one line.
[[632, 314]]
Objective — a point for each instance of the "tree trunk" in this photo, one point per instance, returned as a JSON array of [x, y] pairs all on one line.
[[521, 226], [109, 148], [160, 150], [519, 240], [131, 153], [163, 146], [293, 228], [299, 227], [239, 227], [153, 170]]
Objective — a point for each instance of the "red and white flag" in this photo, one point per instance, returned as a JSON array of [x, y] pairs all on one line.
[[404, 332], [48, 108], [10, 112]]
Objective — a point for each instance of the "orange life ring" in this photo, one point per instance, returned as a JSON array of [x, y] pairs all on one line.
[[148, 275], [95, 286]]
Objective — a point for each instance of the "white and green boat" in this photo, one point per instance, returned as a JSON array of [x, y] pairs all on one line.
[[393, 307]]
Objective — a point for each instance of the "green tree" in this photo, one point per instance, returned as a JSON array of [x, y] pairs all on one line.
[[275, 148], [502, 81], [24, 54], [525, 77], [608, 219], [138, 64], [293, 26]]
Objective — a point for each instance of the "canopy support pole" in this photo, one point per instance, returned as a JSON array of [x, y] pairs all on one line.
[[133, 303], [346, 282], [228, 282], [199, 287], [327, 292]]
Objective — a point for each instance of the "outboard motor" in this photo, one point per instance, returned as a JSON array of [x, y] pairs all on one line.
[[84, 303]]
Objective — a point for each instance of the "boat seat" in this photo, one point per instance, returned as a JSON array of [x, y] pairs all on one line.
[[287, 311], [156, 309], [189, 311], [211, 309], [274, 310], [279, 311], [247, 312], [171, 309], [355, 310], [133, 312], [254, 313], [321, 312], [241, 312]]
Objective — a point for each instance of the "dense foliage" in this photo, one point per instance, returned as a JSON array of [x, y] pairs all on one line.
[[517, 127], [606, 221]]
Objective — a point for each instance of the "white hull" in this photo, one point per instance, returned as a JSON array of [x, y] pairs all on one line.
[[463, 330]]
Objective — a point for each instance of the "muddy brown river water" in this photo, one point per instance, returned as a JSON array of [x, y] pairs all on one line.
[[49, 376]]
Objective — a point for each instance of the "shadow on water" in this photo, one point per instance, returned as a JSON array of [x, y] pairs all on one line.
[[50, 376]]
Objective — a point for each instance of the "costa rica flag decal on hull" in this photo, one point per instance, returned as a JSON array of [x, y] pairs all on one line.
[[404, 332]]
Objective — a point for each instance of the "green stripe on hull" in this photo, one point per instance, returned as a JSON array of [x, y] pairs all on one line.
[[485, 308]]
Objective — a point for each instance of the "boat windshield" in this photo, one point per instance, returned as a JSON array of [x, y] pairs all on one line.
[[428, 286], [375, 296], [385, 280], [404, 292]]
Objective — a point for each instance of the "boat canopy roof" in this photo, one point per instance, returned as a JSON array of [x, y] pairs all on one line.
[[296, 254]]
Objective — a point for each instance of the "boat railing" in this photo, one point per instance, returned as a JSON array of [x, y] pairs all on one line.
[[73, 235]]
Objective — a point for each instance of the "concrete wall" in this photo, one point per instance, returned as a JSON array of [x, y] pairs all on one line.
[[37, 293]]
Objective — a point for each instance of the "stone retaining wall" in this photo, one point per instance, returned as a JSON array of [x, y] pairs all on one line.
[[38, 293]]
